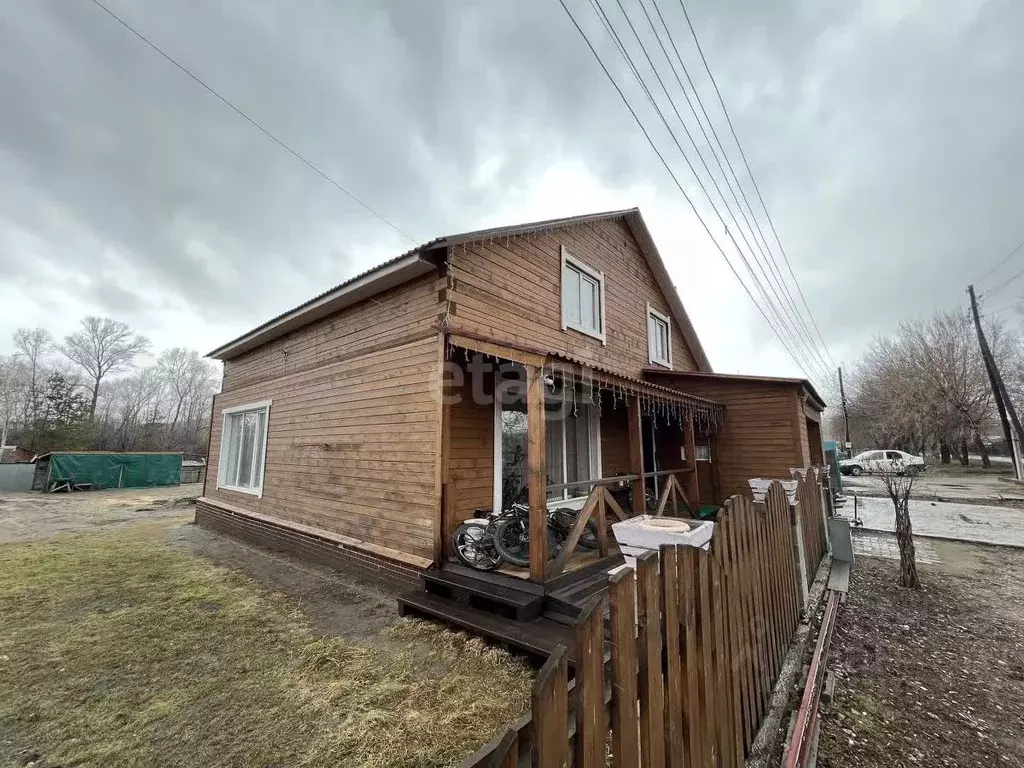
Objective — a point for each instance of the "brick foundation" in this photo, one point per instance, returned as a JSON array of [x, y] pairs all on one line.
[[391, 575]]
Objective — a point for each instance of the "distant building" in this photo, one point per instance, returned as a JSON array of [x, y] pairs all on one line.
[[14, 454]]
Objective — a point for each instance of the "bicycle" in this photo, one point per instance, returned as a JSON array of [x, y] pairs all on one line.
[[512, 533]]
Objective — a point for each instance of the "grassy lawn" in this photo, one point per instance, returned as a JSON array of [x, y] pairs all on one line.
[[117, 649]]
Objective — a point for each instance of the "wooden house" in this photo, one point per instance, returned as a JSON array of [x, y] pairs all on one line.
[[549, 362]]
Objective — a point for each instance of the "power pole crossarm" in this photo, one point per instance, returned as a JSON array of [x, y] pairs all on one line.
[[1004, 405]]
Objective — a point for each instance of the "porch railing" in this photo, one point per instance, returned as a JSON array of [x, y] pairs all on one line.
[[600, 501]]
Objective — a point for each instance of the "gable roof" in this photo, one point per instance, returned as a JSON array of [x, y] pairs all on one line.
[[416, 262]]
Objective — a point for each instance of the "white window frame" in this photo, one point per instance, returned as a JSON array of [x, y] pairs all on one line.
[[655, 314], [595, 274], [262, 405]]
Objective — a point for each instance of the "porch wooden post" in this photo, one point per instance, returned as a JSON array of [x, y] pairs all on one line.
[[690, 446], [636, 454], [537, 476], [716, 472]]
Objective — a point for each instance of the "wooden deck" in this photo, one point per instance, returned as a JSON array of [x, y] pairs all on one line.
[[520, 615]]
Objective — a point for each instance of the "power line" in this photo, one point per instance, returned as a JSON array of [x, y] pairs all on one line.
[[250, 120], [755, 227], [675, 178], [781, 318], [753, 180], [994, 291], [1005, 259], [995, 312]]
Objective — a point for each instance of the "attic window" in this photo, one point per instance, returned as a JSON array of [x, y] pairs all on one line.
[[659, 338], [582, 297]]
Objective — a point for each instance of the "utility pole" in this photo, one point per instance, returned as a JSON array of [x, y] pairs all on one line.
[[1003, 403], [847, 443]]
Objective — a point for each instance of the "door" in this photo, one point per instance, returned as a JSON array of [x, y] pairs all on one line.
[[894, 461], [872, 461]]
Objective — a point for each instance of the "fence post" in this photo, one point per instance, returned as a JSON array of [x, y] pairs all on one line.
[[676, 706], [550, 709], [652, 692], [590, 722], [800, 555], [625, 722], [823, 504]]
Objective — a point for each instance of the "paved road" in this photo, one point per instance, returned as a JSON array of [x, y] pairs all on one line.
[[935, 486], [946, 520]]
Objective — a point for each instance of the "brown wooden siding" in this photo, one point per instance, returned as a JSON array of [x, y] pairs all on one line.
[[352, 448], [404, 313], [758, 437], [471, 459], [614, 439], [511, 290], [805, 442]]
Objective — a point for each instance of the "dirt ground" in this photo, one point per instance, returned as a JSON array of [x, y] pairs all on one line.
[[930, 678], [28, 516], [133, 637]]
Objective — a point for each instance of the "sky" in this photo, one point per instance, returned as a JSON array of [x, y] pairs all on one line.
[[885, 139]]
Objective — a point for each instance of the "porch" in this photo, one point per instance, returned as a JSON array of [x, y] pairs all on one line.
[[552, 434]]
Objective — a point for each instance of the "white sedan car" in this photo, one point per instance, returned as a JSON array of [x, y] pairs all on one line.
[[880, 461]]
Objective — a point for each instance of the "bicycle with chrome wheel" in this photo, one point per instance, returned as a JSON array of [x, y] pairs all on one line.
[[473, 543]]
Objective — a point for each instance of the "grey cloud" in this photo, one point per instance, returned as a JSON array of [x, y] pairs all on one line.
[[885, 140]]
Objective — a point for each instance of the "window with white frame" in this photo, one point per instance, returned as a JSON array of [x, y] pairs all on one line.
[[582, 297], [243, 448], [659, 337]]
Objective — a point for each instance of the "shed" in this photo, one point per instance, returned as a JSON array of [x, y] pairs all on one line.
[[96, 470]]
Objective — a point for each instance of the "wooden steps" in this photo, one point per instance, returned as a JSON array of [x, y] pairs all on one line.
[[566, 605], [522, 615], [536, 638], [509, 601]]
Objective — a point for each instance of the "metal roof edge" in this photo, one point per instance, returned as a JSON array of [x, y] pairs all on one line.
[[748, 378]]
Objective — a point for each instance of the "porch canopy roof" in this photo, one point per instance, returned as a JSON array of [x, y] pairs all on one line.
[[803, 386], [654, 398]]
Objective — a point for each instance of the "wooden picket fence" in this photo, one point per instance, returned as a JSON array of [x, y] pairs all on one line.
[[695, 642], [809, 507]]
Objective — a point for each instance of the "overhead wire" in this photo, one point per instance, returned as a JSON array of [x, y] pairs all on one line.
[[993, 313], [675, 179], [753, 179], [754, 228], [235, 108], [810, 366], [994, 291], [1002, 261]]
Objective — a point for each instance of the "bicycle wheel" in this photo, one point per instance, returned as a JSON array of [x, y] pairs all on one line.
[[474, 546], [512, 540], [567, 519]]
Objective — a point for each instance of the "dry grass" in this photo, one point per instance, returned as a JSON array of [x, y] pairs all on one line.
[[118, 650]]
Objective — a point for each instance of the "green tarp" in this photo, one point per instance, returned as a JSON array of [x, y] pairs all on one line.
[[116, 470]]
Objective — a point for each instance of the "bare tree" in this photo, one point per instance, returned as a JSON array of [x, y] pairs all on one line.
[[898, 486], [103, 346], [184, 373], [13, 383], [927, 385], [34, 344]]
